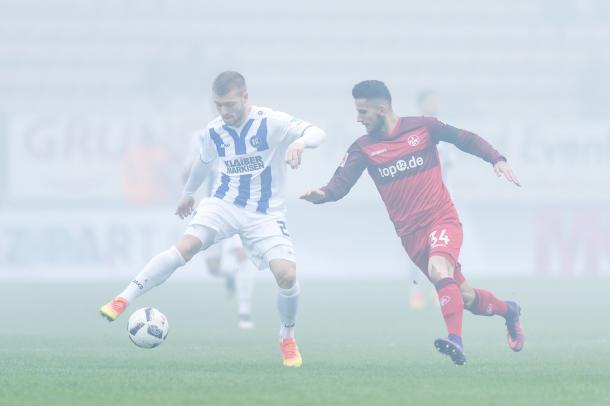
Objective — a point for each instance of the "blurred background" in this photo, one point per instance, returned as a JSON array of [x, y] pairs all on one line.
[[99, 100]]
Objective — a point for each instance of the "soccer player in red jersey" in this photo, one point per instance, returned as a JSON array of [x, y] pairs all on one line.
[[400, 154]]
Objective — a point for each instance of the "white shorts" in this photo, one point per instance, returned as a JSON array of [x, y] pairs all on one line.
[[264, 236]]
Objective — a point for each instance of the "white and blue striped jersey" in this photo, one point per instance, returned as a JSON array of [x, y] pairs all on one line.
[[250, 159]]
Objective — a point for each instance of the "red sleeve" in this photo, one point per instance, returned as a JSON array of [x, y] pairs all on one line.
[[466, 141], [346, 175]]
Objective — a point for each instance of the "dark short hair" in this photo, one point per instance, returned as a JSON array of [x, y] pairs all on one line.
[[371, 89], [227, 81]]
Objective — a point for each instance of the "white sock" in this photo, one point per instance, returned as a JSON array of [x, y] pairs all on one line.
[[287, 304], [154, 273], [244, 281]]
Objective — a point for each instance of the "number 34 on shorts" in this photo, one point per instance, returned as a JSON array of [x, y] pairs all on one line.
[[439, 238]]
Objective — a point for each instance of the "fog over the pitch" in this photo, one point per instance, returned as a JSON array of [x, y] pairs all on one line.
[[98, 102]]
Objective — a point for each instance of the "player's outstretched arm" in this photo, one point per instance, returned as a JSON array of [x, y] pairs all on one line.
[[312, 137], [345, 177], [475, 145], [502, 168], [315, 196]]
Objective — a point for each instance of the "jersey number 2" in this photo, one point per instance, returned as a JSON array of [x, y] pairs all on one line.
[[283, 228]]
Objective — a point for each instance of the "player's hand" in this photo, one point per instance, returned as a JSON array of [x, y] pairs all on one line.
[[185, 207], [315, 196], [294, 154], [502, 168]]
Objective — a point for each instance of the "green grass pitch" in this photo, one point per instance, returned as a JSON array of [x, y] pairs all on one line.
[[360, 342]]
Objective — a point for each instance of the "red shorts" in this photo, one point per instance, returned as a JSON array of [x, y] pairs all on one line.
[[442, 237]]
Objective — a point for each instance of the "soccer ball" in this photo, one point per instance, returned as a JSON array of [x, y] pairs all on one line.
[[147, 327]]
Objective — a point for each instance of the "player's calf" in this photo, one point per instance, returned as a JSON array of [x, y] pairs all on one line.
[[483, 303], [285, 272], [188, 247], [154, 273], [469, 295], [452, 306], [486, 304]]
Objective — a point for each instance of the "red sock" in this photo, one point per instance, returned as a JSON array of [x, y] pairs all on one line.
[[486, 304], [452, 305]]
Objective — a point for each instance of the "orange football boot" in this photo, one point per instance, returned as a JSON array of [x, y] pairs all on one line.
[[291, 356], [113, 309]]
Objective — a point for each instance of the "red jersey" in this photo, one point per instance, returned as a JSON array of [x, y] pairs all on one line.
[[406, 169]]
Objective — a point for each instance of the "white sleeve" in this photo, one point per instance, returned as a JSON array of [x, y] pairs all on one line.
[[207, 150], [199, 172], [289, 128], [200, 163], [313, 137], [194, 150], [192, 155]]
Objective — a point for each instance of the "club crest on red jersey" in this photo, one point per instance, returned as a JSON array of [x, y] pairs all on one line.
[[413, 140]]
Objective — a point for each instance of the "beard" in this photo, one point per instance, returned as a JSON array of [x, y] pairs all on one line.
[[377, 127]]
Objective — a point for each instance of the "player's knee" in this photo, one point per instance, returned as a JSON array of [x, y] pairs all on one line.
[[468, 296], [188, 247], [439, 268], [287, 278], [285, 272], [204, 235]]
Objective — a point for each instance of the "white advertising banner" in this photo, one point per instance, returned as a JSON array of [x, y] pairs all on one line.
[[94, 160]]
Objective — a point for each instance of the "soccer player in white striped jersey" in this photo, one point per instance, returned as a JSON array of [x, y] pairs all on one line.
[[252, 145]]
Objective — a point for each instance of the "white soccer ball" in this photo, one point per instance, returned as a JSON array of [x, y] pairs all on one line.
[[147, 327]]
